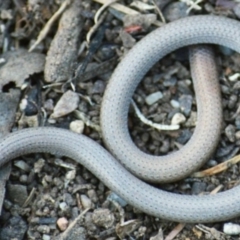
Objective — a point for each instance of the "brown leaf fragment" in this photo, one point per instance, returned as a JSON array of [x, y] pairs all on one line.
[[62, 54]]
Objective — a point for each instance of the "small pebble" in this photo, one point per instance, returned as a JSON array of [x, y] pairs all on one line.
[[178, 118], [92, 195], [237, 122], [66, 104], [46, 237], [230, 132], [198, 187], [232, 101], [237, 135], [23, 178], [14, 228], [114, 197], [86, 202], [212, 163], [39, 165], [62, 223], [226, 51], [17, 193], [77, 126], [153, 98], [236, 10], [192, 120], [22, 165], [43, 229], [175, 10], [175, 103], [185, 102], [170, 82], [184, 136], [63, 206], [98, 87], [103, 217], [231, 228], [234, 77]]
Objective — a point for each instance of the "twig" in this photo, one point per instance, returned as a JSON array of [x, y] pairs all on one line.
[[159, 12], [192, 5], [95, 27], [152, 124], [175, 231], [218, 168], [102, 8], [49, 24], [126, 10]]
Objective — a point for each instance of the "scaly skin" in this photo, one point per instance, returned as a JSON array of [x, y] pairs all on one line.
[[175, 207]]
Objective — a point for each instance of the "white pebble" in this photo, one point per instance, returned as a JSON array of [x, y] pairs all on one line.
[[62, 206], [231, 228], [234, 77], [153, 97], [62, 223], [46, 237], [77, 126], [178, 118], [86, 202], [175, 103]]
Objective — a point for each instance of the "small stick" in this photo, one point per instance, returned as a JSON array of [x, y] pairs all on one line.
[[218, 168], [49, 24]]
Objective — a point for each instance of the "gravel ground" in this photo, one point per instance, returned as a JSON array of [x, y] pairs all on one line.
[[50, 197]]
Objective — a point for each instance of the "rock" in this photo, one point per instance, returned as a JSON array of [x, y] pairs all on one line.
[[153, 98], [237, 122], [114, 197], [226, 51], [185, 102], [43, 229], [231, 228], [178, 118], [230, 132], [92, 195], [98, 87], [17, 193], [175, 103], [237, 135], [69, 199], [143, 20], [170, 82], [66, 104], [39, 165], [127, 40], [103, 217], [46, 237], [77, 126], [63, 206], [184, 136], [107, 51], [236, 10], [86, 202], [234, 77], [175, 11], [22, 165], [75, 231], [62, 223], [21, 62], [198, 187], [192, 120], [15, 228], [232, 101]]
